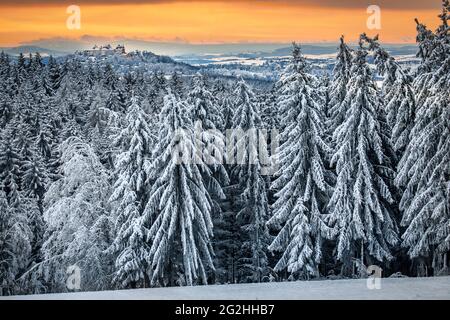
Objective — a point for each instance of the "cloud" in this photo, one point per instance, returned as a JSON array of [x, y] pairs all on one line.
[[387, 4]]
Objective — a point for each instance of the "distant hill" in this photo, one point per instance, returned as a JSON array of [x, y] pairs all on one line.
[[134, 59], [332, 48], [15, 51], [123, 61]]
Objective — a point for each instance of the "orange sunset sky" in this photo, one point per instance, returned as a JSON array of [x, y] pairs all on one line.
[[205, 21]]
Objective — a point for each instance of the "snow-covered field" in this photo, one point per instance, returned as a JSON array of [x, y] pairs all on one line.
[[391, 289]]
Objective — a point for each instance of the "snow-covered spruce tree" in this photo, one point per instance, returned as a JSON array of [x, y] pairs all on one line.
[[270, 122], [287, 111], [16, 235], [131, 193], [9, 163], [205, 107], [207, 120], [6, 108], [178, 213], [151, 97], [157, 92], [398, 95], [15, 242], [249, 184], [4, 65], [91, 74], [36, 63], [34, 185], [102, 125], [140, 87], [227, 111], [423, 169], [226, 229], [269, 110], [401, 111], [226, 243], [109, 77], [177, 84], [78, 221], [206, 117], [7, 274], [324, 80], [425, 172], [53, 77], [433, 51], [44, 142], [116, 96], [67, 108], [360, 207], [32, 171], [17, 153], [97, 115], [302, 182], [338, 86], [20, 70], [433, 46], [34, 180]]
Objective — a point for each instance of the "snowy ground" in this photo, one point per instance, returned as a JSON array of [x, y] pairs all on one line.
[[398, 288]]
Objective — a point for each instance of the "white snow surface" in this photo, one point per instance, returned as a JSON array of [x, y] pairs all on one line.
[[391, 289]]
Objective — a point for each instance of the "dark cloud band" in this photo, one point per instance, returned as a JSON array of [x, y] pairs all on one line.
[[388, 4]]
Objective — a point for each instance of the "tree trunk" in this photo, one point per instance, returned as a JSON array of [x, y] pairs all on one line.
[[362, 259]]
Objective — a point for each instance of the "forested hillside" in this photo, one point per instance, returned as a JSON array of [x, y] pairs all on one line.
[[90, 173]]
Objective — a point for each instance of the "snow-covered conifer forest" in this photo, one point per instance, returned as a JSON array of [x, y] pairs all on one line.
[[89, 177]]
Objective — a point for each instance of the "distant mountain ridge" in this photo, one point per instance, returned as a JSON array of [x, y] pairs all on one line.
[[60, 47], [15, 51]]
